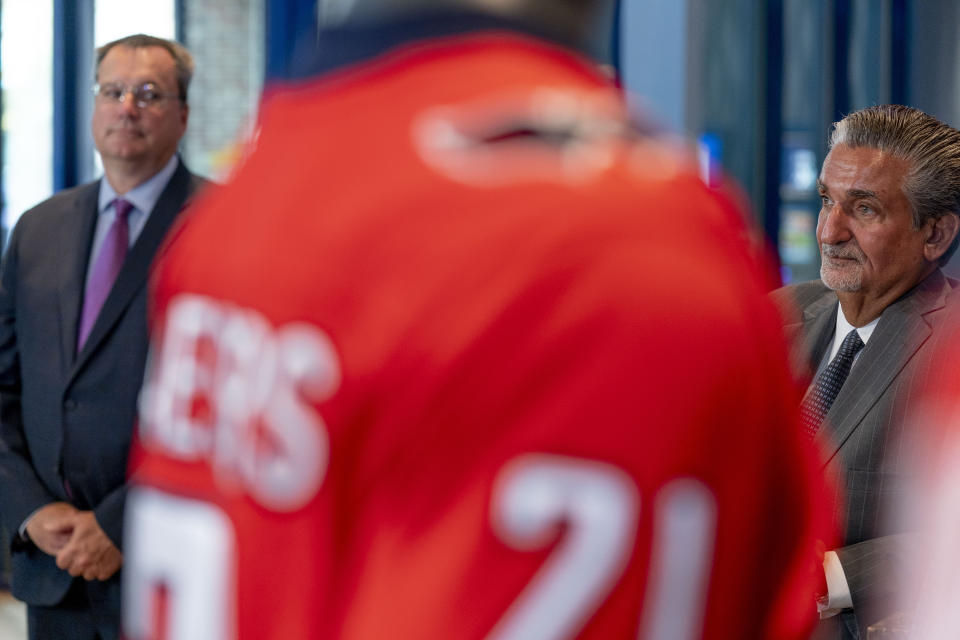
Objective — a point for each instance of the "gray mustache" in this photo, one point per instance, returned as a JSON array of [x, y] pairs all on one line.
[[839, 251]]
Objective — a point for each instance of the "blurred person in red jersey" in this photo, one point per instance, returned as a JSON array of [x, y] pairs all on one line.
[[872, 328], [461, 354]]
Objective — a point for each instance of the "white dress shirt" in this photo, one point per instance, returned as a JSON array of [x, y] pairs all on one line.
[[838, 591]]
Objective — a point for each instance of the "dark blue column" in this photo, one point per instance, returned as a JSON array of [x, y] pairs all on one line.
[[841, 59], [180, 12], [899, 49], [291, 26], [773, 120], [615, 50], [72, 64]]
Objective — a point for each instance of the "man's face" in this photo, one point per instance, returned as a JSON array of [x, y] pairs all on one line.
[[868, 243], [126, 133]]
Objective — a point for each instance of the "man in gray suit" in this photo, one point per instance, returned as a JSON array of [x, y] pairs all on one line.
[[73, 343], [890, 191]]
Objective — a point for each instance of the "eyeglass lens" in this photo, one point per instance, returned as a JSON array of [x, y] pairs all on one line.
[[143, 95]]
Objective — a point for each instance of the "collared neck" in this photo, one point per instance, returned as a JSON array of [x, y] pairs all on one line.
[[354, 43], [844, 327], [144, 196], [927, 295]]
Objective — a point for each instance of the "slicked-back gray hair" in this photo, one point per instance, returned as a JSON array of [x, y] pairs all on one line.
[[183, 61], [931, 147]]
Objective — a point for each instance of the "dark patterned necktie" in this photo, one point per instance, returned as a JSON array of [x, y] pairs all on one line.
[[815, 406], [105, 269]]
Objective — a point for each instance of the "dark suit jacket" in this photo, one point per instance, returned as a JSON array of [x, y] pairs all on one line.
[[866, 433], [67, 415]]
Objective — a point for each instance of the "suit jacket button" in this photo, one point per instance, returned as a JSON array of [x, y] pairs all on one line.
[[69, 404]]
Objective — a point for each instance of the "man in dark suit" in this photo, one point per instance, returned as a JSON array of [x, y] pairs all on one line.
[[73, 343], [890, 191]]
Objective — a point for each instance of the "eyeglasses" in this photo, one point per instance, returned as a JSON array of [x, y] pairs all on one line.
[[145, 95]]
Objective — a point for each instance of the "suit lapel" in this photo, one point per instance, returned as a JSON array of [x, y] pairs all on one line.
[[901, 332], [73, 247], [810, 338], [136, 266]]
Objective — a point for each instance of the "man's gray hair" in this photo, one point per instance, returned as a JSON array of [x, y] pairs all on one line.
[[931, 147], [183, 61]]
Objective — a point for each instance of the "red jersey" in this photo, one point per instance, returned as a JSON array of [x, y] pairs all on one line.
[[456, 356]]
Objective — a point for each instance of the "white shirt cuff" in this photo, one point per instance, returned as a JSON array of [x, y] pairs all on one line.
[[23, 525], [838, 591]]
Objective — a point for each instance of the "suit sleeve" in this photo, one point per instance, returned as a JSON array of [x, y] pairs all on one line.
[[21, 491], [109, 515], [870, 568]]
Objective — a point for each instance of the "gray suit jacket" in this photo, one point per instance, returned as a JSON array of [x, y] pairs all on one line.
[[67, 416], [864, 433]]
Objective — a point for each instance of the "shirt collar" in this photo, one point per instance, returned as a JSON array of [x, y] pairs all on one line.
[[144, 196], [354, 43], [844, 327]]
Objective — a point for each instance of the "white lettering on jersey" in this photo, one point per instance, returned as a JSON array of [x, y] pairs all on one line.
[[548, 134], [184, 549], [230, 389]]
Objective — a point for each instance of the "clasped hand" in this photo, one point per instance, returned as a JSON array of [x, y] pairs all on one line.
[[76, 540]]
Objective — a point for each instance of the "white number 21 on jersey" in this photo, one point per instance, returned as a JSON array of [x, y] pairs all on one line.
[[536, 494], [185, 548]]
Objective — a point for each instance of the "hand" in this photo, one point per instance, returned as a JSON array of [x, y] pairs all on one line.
[[89, 552], [821, 592], [819, 572], [51, 526]]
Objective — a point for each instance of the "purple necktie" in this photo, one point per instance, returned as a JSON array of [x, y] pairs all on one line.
[[105, 269]]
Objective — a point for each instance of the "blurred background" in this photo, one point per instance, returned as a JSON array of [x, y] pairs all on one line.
[[754, 83]]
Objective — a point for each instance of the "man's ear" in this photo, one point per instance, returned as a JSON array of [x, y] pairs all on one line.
[[940, 235]]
